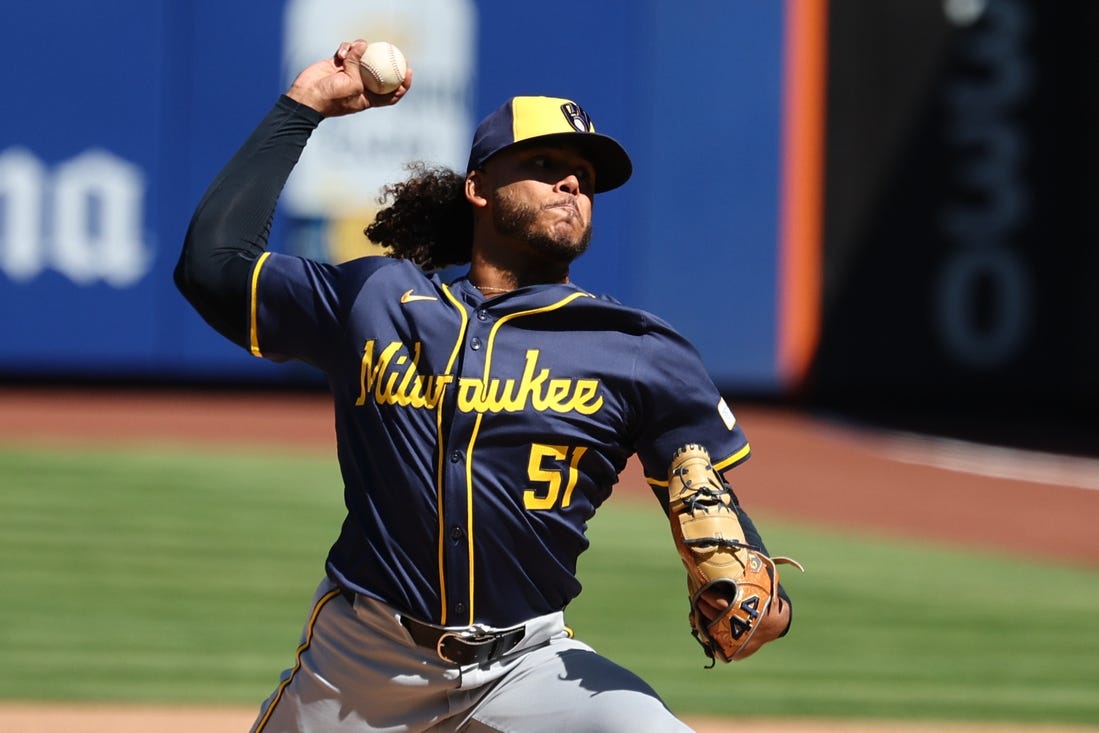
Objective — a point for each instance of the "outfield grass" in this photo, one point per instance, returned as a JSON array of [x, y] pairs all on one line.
[[184, 578]]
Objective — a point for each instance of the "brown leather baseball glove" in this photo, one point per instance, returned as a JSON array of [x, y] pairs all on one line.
[[719, 562]]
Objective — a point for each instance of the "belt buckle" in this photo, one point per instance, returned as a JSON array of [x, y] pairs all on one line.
[[475, 634]]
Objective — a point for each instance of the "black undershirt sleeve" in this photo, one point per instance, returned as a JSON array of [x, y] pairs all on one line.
[[229, 229], [751, 534]]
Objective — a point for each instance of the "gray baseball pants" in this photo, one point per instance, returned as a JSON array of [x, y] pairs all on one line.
[[358, 671]]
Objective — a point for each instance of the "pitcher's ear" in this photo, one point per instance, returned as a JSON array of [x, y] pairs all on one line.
[[476, 192]]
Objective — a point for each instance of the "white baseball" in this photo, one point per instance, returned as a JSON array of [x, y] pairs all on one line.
[[383, 67]]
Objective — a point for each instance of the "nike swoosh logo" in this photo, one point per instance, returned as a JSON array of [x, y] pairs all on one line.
[[408, 297]]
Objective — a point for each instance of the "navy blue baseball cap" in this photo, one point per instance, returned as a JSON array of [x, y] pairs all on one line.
[[522, 119]]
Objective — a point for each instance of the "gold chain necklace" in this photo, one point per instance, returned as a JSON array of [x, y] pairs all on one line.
[[488, 289]]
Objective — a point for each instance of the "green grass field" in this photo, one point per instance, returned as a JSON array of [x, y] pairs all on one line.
[[183, 577]]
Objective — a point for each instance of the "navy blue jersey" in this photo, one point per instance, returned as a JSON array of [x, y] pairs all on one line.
[[477, 437]]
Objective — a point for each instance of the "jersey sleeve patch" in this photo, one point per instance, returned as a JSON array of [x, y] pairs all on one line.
[[726, 414]]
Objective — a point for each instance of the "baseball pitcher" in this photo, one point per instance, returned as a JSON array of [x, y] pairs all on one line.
[[480, 423]]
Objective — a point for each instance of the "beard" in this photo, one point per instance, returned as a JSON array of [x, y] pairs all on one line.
[[518, 219]]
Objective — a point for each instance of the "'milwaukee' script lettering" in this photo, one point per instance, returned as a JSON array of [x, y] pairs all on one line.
[[392, 377]]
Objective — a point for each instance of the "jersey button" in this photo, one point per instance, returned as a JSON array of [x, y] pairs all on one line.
[[459, 607], [475, 343], [456, 534], [482, 315], [455, 456]]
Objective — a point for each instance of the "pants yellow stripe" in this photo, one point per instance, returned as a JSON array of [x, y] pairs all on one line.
[[297, 659]]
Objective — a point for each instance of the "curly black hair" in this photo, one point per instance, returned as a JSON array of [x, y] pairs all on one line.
[[429, 221]]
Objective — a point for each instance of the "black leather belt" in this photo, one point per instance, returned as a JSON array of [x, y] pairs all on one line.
[[470, 645], [474, 644]]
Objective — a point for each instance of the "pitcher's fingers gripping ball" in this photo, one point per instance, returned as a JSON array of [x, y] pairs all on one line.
[[382, 67], [711, 542]]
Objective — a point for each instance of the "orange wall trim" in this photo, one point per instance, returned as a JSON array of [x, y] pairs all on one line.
[[801, 198]]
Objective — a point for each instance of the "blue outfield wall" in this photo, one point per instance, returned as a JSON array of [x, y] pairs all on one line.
[[119, 115]]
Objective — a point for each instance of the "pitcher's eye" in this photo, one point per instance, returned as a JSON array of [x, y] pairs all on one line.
[[559, 168]]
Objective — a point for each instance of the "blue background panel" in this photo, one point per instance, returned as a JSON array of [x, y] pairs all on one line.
[[169, 90]]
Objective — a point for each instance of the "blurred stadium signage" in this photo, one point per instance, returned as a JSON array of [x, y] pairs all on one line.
[[959, 267], [984, 92], [81, 217], [333, 191]]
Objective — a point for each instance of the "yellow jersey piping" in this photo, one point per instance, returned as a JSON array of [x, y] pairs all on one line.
[[442, 462], [477, 427], [719, 467], [253, 306]]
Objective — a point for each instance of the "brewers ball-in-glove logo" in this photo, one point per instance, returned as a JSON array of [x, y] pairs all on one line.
[[577, 117]]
